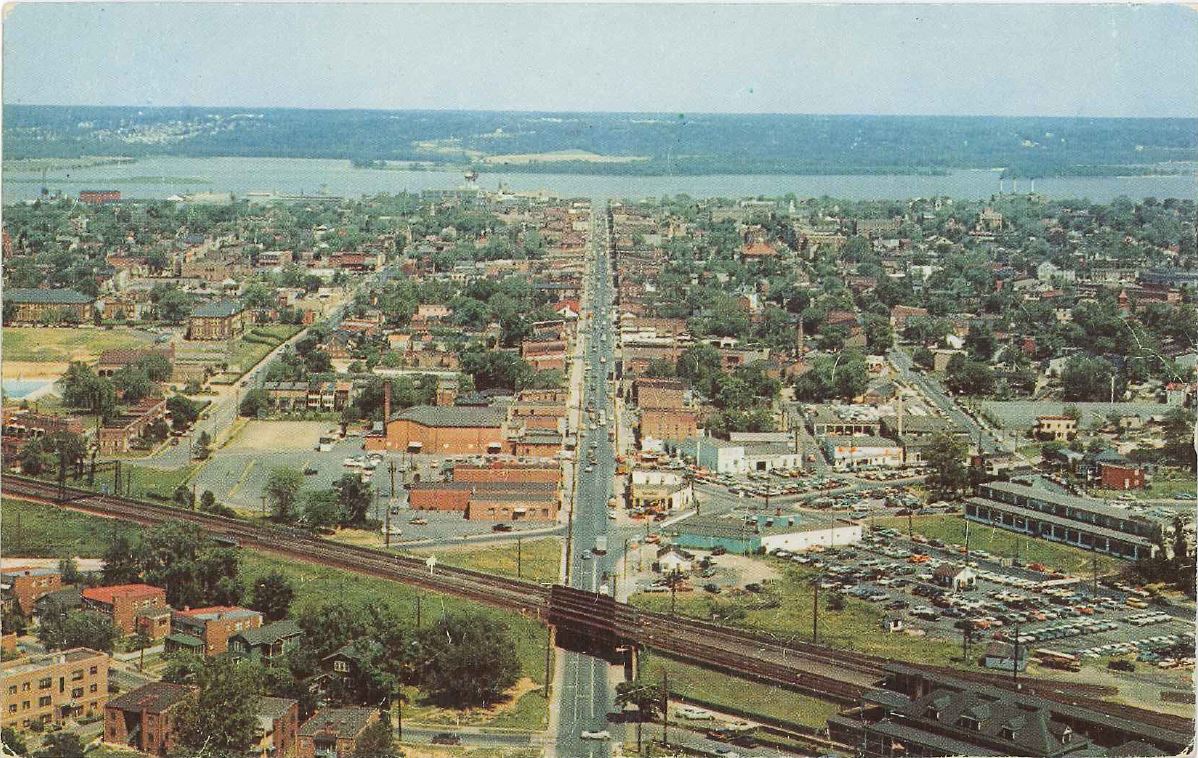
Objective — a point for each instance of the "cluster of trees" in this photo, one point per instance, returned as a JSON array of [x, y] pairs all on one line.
[[192, 569], [461, 660], [1173, 561], [347, 503], [840, 376]]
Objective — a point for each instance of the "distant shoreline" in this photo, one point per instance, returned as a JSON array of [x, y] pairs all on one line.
[[614, 166]]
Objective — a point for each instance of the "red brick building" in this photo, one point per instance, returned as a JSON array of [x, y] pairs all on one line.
[[489, 500], [278, 727], [668, 423], [659, 393], [99, 197], [143, 718], [444, 430], [1121, 476], [128, 604], [25, 584], [207, 630], [117, 435]]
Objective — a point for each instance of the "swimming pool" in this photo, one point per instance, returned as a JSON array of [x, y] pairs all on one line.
[[18, 389]]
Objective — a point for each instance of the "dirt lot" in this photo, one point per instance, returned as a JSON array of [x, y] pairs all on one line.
[[279, 435]]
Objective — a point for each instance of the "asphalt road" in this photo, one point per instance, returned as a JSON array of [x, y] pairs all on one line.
[[983, 438], [586, 694]]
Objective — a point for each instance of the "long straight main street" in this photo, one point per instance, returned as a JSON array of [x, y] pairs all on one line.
[[585, 697]]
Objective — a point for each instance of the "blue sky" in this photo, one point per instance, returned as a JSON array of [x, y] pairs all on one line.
[[906, 59]]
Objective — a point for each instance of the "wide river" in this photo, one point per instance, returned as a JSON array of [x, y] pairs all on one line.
[[165, 176]]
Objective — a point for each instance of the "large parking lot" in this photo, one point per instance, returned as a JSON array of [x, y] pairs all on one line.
[[1047, 611], [237, 475]]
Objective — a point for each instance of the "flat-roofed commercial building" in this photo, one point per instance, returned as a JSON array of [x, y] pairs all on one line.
[[1079, 521], [51, 688]]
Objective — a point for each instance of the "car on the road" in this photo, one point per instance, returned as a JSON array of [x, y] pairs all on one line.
[[446, 738], [598, 734], [501, 527], [586, 555], [418, 521]]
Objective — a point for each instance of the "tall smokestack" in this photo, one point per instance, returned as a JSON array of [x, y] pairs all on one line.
[[386, 402]]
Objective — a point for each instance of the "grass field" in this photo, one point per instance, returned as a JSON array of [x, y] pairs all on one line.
[[540, 559], [43, 531], [731, 692], [1005, 544], [857, 627], [56, 344], [142, 482], [246, 353]]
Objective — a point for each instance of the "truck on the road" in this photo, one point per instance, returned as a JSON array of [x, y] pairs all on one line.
[[600, 545]]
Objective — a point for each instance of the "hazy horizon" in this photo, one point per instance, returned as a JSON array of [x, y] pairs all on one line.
[[1043, 61]]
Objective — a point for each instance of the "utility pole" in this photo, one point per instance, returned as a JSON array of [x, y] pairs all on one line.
[[910, 525], [387, 518], [519, 558], [1094, 575], [673, 590], [625, 560], [1015, 664], [665, 709]]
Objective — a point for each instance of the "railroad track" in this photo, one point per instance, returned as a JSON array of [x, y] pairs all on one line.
[[839, 675], [495, 591]]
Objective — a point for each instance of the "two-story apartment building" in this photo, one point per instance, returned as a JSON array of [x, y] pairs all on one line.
[[131, 607], [207, 630]]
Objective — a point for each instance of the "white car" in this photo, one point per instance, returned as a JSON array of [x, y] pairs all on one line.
[[601, 734]]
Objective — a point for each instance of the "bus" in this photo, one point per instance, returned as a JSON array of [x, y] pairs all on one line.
[[1055, 660]]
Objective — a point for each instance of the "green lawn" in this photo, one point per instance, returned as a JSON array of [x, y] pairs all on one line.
[[54, 344], [248, 352], [43, 531], [857, 627], [540, 560], [1004, 544], [731, 692], [139, 481]]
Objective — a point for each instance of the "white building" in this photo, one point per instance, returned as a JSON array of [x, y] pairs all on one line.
[[799, 537], [658, 490], [716, 455], [847, 452]]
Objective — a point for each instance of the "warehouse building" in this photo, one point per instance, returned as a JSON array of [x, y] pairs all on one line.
[[761, 533]]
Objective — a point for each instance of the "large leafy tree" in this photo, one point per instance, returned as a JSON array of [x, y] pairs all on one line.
[[468, 659], [376, 741], [282, 490], [192, 569], [271, 595], [843, 376], [354, 496], [945, 456], [222, 717], [60, 629]]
